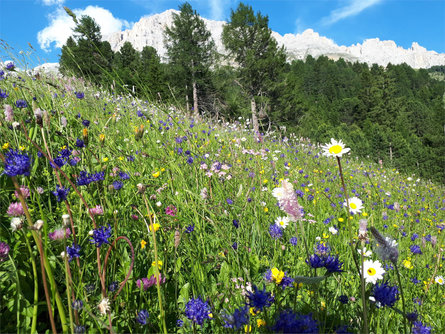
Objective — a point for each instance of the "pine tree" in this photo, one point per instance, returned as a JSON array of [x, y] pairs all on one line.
[[249, 41], [190, 49]]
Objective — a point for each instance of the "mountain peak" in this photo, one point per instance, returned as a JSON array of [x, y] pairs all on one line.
[[149, 30]]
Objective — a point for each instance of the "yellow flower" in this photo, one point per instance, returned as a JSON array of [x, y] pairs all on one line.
[[277, 275], [407, 264], [156, 226], [340, 220], [22, 148], [265, 181], [162, 169], [254, 311], [101, 137], [85, 132], [266, 210], [247, 328], [121, 158], [159, 264], [260, 322], [325, 236], [5, 146], [143, 243], [210, 315], [364, 214], [155, 175], [105, 159]]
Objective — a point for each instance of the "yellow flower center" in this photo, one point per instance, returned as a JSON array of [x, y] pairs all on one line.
[[281, 223], [353, 206], [336, 149], [371, 272]]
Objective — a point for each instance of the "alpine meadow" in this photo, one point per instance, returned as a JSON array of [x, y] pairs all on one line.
[[235, 192]]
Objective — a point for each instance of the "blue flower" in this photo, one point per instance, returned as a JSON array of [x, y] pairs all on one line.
[[117, 185], [322, 249], [10, 66], [142, 317], [73, 251], [235, 245], [190, 160], [113, 286], [101, 235], [293, 241], [86, 178], [288, 322], [80, 143], [197, 310], [190, 228], [259, 299], [315, 261], [21, 103], [286, 281], [385, 294], [3, 94], [80, 95], [77, 304], [123, 176], [16, 163], [61, 193], [235, 223], [415, 249], [86, 123], [275, 231], [239, 318], [343, 299], [229, 201], [332, 264], [419, 328]]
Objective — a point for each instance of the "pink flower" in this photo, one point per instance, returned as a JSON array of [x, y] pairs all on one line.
[[24, 190], [9, 113], [60, 234], [97, 210], [149, 282], [15, 209], [288, 201], [170, 210]]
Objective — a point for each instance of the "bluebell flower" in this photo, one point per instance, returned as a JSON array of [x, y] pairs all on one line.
[[235, 245], [322, 249], [385, 295], [101, 235], [293, 241], [332, 264], [123, 176], [179, 323], [286, 281], [73, 251], [259, 299], [80, 143], [17, 163], [412, 317], [275, 231], [190, 160], [86, 123], [21, 103], [10, 66], [80, 95], [142, 317], [61, 193], [239, 318], [414, 236], [229, 201], [235, 223], [315, 261], [3, 94], [197, 310]]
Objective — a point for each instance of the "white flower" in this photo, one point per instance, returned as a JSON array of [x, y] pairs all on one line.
[[16, 223], [372, 271], [158, 204], [282, 222], [104, 306], [334, 148], [318, 238], [439, 280], [365, 252], [333, 230], [355, 205]]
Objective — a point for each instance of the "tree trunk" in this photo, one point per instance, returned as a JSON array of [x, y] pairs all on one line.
[[195, 98], [187, 107], [256, 127]]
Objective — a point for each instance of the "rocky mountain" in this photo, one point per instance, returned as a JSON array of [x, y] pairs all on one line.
[[150, 31]]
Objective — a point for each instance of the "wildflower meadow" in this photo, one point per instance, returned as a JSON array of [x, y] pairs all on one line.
[[120, 215]]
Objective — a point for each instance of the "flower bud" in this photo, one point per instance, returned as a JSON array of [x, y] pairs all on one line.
[[66, 220]]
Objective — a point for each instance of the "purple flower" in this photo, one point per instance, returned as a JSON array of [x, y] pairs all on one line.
[[239, 318], [4, 251], [10, 66], [197, 310], [190, 228], [17, 163], [117, 185], [86, 123], [415, 249], [333, 264], [80, 95], [15, 209], [101, 235], [59, 234], [142, 317], [419, 328], [170, 210], [385, 295], [61, 193], [275, 231], [259, 299], [293, 241], [73, 251], [229, 201], [235, 223], [149, 282], [3, 94], [20, 103]]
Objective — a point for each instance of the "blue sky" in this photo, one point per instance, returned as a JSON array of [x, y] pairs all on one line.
[[45, 25]]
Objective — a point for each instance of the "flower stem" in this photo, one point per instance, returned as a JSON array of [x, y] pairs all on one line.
[[403, 297]]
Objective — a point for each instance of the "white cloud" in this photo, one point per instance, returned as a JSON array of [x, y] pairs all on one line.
[[353, 7], [52, 2], [61, 25]]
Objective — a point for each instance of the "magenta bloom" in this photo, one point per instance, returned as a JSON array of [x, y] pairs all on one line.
[[15, 209], [24, 190], [9, 113], [149, 282], [97, 210], [288, 201], [171, 210], [4, 251], [59, 234]]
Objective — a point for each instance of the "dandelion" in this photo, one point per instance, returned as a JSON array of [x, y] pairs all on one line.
[[334, 148], [355, 205], [372, 271]]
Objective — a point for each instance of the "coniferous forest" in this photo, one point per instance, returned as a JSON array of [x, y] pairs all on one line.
[[393, 115]]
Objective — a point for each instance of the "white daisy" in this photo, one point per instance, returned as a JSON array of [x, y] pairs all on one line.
[[334, 148], [282, 222], [333, 230], [355, 205], [439, 280], [365, 252], [372, 271]]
